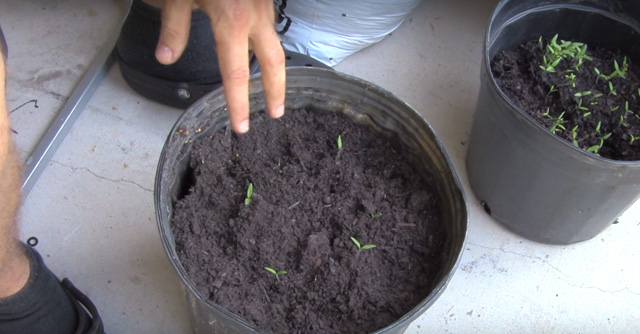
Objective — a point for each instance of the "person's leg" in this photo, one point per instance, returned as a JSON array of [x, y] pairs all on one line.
[[14, 266], [32, 298]]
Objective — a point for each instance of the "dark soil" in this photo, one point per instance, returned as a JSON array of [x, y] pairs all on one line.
[[309, 198], [519, 75]]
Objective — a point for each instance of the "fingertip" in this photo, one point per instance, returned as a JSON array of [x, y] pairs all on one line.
[[164, 54], [278, 112], [243, 126]]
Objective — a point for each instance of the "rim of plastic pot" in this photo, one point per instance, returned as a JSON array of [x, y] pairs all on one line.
[[327, 90], [496, 27]]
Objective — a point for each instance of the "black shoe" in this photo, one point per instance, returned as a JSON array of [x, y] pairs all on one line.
[[46, 305], [195, 74]]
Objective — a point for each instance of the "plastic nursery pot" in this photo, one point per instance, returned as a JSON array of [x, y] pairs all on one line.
[[322, 90], [533, 182]]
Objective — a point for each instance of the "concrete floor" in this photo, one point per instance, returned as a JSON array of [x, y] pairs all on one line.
[[92, 209]]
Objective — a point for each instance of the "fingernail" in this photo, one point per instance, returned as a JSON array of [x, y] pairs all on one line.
[[164, 55], [279, 112], [243, 126]]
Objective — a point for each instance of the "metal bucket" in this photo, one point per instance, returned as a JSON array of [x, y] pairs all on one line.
[[324, 90]]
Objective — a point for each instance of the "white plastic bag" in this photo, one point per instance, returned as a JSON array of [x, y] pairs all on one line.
[[331, 30]]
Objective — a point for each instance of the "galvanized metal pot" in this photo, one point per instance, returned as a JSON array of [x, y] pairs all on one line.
[[324, 90], [535, 183]]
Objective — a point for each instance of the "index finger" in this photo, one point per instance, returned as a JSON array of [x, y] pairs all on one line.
[[233, 57]]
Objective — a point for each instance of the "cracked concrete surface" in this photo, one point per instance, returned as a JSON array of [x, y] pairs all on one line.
[[93, 213], [85, 169]]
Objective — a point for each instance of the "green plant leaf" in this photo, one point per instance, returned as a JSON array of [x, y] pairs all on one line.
[[356, 242], [368, 247], [271, 270], [376, 215], [593, 149], [247, 200]]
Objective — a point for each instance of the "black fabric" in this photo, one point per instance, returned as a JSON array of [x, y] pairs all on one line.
[[89, 321], [42, 306], [139, 36]]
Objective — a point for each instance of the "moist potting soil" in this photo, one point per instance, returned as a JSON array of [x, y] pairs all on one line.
[[596, 112], [310, 196]]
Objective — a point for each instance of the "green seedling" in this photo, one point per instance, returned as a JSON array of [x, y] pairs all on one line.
[[597, 95], [620, 72], [540, 40], [572, 79], [376, 215], [633, 138], [339, 142], [587, 114], [622, 122], [581, 56], [574, 136], [361, 247], [276, 272], [612, 91], [546, 114], [549, 66], [638, 92], [596, 148], [626, 107], [601, 75], [557, 125], [582, 94], [581, 107], [614, 108], [553, 89], [247, 200], [598, 126]]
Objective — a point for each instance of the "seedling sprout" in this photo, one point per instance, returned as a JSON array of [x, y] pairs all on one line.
[[361, 247], [583, 94], [612, 91], [276, 272], [557, 125], [339, 142], [247, 200], [574, 135]]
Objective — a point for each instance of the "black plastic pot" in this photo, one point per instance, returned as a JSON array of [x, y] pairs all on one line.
[[322, 90], [533, 182]]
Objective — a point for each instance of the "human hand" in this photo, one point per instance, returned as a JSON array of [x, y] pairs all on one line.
[[238, 26]]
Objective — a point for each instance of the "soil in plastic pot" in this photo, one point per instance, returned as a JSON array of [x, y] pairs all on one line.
[[309, 198], [594, 105]]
